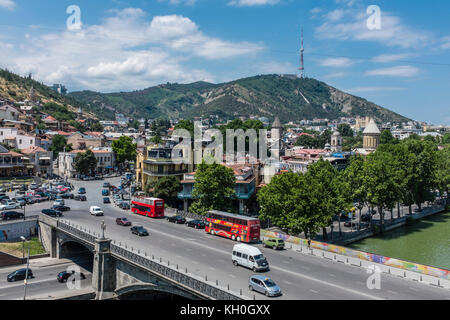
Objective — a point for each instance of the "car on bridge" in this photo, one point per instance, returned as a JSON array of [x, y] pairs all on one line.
[[12, 215], [80, 198], [20, 274], [63, 276], [264, 285], [52, 213], [176, 219], [123, 222], [61, 208], [197, 224], [96, 211], [139, 230]]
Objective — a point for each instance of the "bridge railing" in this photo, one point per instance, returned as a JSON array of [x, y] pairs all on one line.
[[18, 220], [85, 235], [178, 276]]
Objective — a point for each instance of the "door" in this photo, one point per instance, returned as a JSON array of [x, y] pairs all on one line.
[[259, 286], [245, 261]]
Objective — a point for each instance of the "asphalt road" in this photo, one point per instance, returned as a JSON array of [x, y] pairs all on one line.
[[300, 276]]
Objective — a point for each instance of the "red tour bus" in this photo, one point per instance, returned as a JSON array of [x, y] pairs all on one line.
[[149, 207], [233, 226]]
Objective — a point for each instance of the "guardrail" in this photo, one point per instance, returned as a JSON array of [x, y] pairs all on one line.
[[35, 217]]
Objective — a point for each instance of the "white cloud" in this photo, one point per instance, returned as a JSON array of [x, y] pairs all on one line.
[[351, 24], [276, 67], [252, 3], [398, 71], [177, 2], [337, 62], [124, 52], [445, 42], [8, 4], [386, 58]]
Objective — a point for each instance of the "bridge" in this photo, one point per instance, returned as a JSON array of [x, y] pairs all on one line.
[[120, 271]]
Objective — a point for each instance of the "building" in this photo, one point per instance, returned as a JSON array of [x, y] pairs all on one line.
[[336, 142], [61, 89], [105, 162], [15, 138], [82, 141], [247, 178], [371, 136], [8, 112], [39, 161], [11, 163]]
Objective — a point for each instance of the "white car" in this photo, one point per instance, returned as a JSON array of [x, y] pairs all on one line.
[[58, 202], [9, 205], [96, 211]]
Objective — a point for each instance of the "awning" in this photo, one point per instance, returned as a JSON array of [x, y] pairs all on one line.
[[45, 158]]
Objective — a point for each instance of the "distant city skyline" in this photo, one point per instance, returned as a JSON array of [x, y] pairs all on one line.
[[403, 65]]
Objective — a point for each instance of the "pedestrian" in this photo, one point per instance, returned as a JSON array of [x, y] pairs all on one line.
[[309, 243]]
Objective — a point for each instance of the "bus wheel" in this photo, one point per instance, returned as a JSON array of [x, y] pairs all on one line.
[[238, 239], [233, 237], [212, 232]]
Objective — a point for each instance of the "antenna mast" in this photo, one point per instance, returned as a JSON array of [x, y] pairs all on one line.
[[302, 65]]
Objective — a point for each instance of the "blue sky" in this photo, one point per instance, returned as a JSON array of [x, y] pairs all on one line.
[[129, 45]]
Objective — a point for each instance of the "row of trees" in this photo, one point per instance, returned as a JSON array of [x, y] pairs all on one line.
[[405, 173]]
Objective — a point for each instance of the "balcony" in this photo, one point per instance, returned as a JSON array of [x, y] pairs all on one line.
[[163, 174]]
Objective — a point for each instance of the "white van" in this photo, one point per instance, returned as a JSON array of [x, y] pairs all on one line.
[[96, 211], [249, 257]]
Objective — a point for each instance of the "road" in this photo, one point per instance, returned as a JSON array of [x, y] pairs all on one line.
[[300, 276]]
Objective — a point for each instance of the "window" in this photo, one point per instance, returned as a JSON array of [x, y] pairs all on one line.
[[244, 256], [238, 254]]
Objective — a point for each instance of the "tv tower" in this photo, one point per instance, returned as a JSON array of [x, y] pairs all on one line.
[[302, 65]]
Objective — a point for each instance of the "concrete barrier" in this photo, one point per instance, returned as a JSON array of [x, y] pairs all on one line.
[[397, 272], [317, 253], [413, 275], [341, 258], [430, 280], [329, 255], [354, 261], [445, 283]]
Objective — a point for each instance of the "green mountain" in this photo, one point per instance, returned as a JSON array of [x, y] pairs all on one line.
[[287, 96]]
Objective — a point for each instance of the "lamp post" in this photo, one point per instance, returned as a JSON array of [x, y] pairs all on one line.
[[26, 272]]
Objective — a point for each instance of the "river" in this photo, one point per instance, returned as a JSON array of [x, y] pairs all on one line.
[[427, 242]]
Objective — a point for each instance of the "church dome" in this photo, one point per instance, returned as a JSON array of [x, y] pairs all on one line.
[[372, 128]]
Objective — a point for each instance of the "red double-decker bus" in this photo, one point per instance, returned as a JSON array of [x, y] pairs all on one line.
[[149, 207], [233, 226]]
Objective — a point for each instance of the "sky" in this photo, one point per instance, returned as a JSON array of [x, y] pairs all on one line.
[[396, 54]]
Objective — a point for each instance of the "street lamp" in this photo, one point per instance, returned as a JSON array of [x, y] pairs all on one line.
[[26, 272]]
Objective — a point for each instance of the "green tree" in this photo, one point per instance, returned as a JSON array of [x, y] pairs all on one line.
[[187, 125], [345, 130], [354, 178], [167, 188], [387, 138], [443, 171], [58, 144], [156, 139], [77, 125], [213, 188], [85, 162], [446, 138], [134, 124], [96, 127], [307, 141], [124, 149]]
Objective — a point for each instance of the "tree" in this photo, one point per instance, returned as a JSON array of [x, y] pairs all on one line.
[[85, 162], [96, 127], [355, 180], [187, 125], [213, 188], [134, 124], [167, 188], [58, 144], [387, 138], [446, 138], [443, 172], [77, 125], [345, 130], [307, 141], [289, 201], [124, 149], [156, 139]]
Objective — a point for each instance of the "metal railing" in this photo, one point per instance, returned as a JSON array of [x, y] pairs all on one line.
[[20, 219]]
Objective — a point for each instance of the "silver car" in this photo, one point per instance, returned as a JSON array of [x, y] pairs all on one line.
[[264, 285]]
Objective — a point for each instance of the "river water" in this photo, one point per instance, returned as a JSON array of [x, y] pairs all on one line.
[[427, 242]]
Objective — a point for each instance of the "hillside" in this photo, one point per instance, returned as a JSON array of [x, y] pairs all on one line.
[[287, 96], [16, 88]]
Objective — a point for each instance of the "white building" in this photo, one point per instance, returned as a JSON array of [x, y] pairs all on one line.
[[105, 161], [14, 138]]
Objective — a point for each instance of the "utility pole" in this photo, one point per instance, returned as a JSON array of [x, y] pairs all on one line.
[[26, 272]]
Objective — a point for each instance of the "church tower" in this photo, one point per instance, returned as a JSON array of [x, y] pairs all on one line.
[[336, 142], [371, 136]]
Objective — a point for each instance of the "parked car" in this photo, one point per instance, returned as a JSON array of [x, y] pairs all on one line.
[[124, 205], [52, 213], [80, 198], [176, 219], [264, 285], [274, 243], [29, 200], [139, 230], [9, 205], [21, 201], [64, 275], [106, 185], [105, 192], [61, 208], [365, 217], [106, 200], [20, 274], [82, 190], [96, 211], [123, 222], [67, 195], [3, 197], [59, 202], [12, 215], [33, 186], [197, 224]]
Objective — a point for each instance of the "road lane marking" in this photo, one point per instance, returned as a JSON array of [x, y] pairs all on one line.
[[393, 292], [313, 291]]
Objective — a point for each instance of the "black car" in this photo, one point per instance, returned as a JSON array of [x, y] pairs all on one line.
[[52, 212], [61, 208], [64, 275], [82, 191], [197, 224], [67, 195], [4, 198], [12, 215], [106, 200], [80, 198], [365, 217], [20, 274], [140, 231], [124, 205], [176, 219]]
